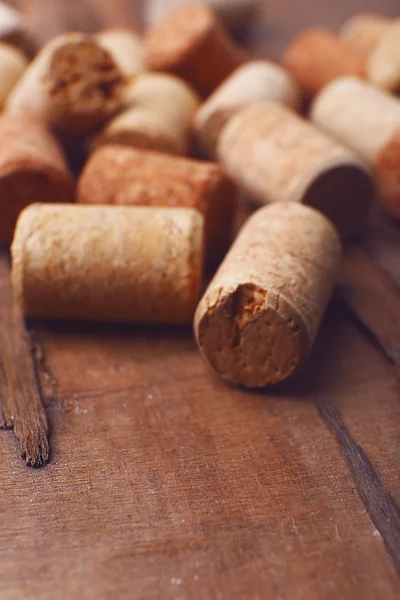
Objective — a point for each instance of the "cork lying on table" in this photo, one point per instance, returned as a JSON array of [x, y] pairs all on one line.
[[255, 81], [104, 263], [193, 44], [274, 155], [383, 66], [119, 175], [316, 56], [13, 63], [73, 84], [32, 169], [363, 31], [367, 120], [125, 46], [159, 117], [259, 317]]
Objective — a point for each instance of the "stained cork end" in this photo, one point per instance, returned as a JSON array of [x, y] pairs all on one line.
[[387, 170]]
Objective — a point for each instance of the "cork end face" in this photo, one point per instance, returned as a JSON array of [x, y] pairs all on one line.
[[85, 85], [387, 170], [343, 193], [250, 338]]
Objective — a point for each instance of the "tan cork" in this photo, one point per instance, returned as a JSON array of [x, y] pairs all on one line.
[[274, 155], [234, 13], [162, 108], [317, 56], [259, 317], [119, 175], [32, 169], [14, 31], [193, 44], [387, 169], [13, 63], [108, 263], [125, 46], [255, 81], [363, 31], [383, 66], [73, 84]]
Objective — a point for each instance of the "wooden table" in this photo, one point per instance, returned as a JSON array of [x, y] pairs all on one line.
[[166, 483]]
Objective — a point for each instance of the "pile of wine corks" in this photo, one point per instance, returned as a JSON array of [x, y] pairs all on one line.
[[171, 127]]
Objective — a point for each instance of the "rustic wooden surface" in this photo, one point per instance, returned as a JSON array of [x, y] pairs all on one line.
[[166, 483]]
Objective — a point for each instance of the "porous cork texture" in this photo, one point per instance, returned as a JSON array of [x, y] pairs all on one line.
[[316, 56], [259, 317], [383, 66], [159, 117], [255, 81], [363, 31], [193, 44], [108, 263], [32, 169], [125, 46], [13, 63], [274, 155], [119, 175], [73, 84]]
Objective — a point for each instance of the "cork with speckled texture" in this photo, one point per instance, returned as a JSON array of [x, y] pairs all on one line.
[[274, 155], [108, 263], [73, 84], [119, 175], [125, 46], [161, 108], [192, 43], [32, 169], [259, 317], [383, 66], [317, 56], [363, 31], [255, 81], [13, 63]]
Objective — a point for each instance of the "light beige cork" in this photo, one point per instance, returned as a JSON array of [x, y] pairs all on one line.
[[73, 84], [32, 169], [383, 65], [192, 43], [234, 13], [274, 155], [317, 56], [12, 64], [363, 31], [162, 108], [14, 31], [125, 46], [255, 81], [119, 175], [108, 263], [259, 317]]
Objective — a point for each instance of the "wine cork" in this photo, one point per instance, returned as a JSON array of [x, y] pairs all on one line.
[[32, 169], [255, 81], [234, 13], [119, 175], [275, 155], [12, 63], [14, 31], [383, 66], [73, 84], [259, 317], [125, 46], [363, 31], [367, 120], [162, 108], [193, 44], [108, 263], [317, 56]]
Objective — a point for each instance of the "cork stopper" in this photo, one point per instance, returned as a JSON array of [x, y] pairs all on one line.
[[73, 84], [274, 155], [259, 317], [316, 56], [363, 31], [108, 263], [125, 46], [32, 169], [193, 44], [383, 66], [162, 108], [13, 63], [14, 31], [255, 81], [387, 169], [125, 176]]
